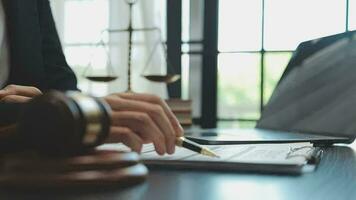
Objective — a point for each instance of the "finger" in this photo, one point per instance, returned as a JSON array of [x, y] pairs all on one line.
[[15, 99], [156, 100], [126, 136], [142, 124], [27, 91], [155, 111], [3, 93]]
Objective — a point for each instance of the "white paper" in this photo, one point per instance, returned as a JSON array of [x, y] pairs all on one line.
[[289, 153]]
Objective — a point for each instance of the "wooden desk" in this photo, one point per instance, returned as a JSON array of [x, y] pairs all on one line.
[[334, 179]]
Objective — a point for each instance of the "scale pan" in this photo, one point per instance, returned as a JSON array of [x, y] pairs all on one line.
[[101, 78], [169, 78]]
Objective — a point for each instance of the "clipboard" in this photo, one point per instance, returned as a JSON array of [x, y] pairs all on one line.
[[291, 158]]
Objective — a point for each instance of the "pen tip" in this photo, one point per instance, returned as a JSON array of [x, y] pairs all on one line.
[[210, 153]]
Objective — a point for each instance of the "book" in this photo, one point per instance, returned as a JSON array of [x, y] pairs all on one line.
[[182, 109], [287, 158], [184, 118], [180, 105]]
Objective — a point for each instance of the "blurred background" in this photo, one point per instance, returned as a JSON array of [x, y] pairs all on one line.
[[229, 53]]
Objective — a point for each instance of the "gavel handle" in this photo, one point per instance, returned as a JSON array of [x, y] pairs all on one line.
[[10, 140], [10, 112], [9, 115], [7, 130]]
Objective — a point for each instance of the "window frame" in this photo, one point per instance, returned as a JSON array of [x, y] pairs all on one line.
[[209, 115]]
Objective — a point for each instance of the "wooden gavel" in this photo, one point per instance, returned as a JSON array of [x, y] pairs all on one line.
[[58, 123], [56, 134]]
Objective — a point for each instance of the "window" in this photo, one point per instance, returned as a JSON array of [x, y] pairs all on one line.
[[256, 40], [81, 34], [238, 80], [352, 15], [240, 25], [287, 23], [192, 36]]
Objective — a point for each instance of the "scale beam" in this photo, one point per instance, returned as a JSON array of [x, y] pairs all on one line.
[[168, 78]]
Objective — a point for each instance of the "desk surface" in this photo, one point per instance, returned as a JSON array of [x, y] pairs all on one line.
[[334, 179]]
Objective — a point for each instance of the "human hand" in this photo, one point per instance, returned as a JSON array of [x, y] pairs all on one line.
[[18, 93], [143, 118]]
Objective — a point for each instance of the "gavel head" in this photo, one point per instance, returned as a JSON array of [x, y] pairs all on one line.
[[64, 123]]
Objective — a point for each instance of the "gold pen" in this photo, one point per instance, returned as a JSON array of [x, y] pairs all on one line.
[[188, 144]]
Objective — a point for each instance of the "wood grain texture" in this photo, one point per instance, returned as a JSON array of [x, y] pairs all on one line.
[[96, 169], [7, 131]]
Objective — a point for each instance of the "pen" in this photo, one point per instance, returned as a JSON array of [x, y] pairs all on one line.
[[184, 142]]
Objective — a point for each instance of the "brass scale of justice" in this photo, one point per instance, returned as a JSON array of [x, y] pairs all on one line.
[[111, 76]]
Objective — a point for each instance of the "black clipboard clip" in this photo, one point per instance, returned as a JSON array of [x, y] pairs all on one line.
[[312, 155]]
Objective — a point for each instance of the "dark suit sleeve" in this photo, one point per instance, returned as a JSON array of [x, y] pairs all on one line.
[[58, 74]]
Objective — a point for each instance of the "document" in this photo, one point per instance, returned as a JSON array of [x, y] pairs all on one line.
[[283, 158]]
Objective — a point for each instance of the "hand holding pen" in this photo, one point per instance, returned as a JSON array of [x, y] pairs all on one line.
[[188, 144]]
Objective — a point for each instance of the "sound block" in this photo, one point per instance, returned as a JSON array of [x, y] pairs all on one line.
[[100, 168]]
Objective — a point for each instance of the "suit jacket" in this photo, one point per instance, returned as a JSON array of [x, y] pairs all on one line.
[[36, 56]]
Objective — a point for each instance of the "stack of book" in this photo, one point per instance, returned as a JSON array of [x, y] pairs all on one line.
[[182, 109]]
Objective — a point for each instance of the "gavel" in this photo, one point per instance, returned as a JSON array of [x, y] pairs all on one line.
[[60, 123], [62, 130]]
